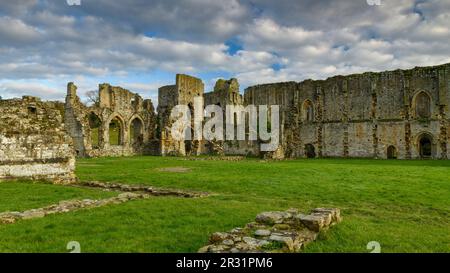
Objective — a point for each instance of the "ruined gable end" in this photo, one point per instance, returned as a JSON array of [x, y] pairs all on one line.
[[119, 123]]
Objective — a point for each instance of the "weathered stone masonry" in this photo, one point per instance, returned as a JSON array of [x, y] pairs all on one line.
[[182, 93], [118, 111], [33, 142], [395, 114]]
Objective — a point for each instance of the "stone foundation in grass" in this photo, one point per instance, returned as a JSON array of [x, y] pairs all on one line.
[[142, 188], [129, 192], [67, 206], [276, 231]]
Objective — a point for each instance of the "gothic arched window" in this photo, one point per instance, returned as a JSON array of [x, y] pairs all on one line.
[[423, 105], [308, 111]]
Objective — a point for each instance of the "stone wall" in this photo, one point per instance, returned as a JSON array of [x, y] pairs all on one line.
[[394, 114], [225, 92], [33, 142], [119, 115], [275, 232], [183, 92]]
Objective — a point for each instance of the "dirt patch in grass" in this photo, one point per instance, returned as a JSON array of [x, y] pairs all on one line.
[[175, 170]]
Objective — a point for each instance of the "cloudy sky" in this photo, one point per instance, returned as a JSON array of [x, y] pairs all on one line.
[[142, 44]]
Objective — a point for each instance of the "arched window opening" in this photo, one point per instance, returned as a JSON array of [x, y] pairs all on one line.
[[136, 132], [310, 151], [188, 145], [95, 124], [115, 132], [392, 152], [425, 146], [308, 111], [423, 105]]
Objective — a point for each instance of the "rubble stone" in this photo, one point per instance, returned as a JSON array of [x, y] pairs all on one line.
[[288, 231], [33, 142]]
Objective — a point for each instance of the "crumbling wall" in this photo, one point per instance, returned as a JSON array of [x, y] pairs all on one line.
[[183, 92], [225, 93], [393, 114], [33, 142], [364, 115], [118, 111], [281, 94]]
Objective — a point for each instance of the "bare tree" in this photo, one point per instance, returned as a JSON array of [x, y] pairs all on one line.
[[92, 97]]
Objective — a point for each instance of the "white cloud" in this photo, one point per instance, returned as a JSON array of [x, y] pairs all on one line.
[[14, 32], [19, 88], [280, 40]]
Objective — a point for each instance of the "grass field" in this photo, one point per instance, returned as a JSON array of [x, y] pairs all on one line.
[[404, 205]]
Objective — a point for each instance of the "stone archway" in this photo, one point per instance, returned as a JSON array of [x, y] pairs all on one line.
[[391, 152], [136, 131], [308, 111], [116, 132], [425, 142], [310, 151], [422, 105], [94, 125]]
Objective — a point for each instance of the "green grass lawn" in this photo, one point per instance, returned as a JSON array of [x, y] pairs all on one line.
[[404, 205]]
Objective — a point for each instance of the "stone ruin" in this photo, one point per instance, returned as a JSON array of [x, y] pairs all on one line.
[[401, 114], [120, 123], [33, 142], [182, 93], [125, 193], [274, 232]]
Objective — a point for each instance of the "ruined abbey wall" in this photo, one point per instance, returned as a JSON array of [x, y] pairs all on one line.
[[183, 92], [120, 123], [33, 142], [400, 114], [226, 92], [395, 114]]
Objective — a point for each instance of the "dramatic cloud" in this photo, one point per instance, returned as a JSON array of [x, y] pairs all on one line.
[[19, 89], [142, 44]]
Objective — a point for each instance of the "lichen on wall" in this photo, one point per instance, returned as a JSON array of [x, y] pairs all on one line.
[[33, 142], [120, 123]]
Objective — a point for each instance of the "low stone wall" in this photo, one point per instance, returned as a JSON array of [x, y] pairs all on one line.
[[140, 188], [129, 192], [277, 231], [67, 206]]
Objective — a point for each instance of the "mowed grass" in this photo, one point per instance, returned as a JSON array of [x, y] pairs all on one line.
[[403, 205]]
